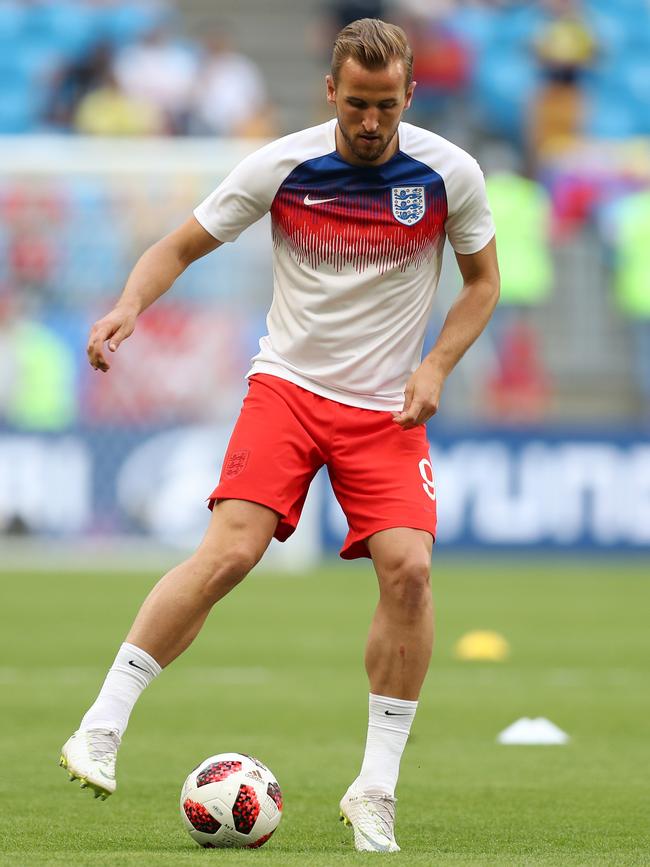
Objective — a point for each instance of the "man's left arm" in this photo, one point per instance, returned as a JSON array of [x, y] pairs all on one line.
[[467, 317]]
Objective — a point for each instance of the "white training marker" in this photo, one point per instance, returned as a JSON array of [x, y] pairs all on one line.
[[532, 732]]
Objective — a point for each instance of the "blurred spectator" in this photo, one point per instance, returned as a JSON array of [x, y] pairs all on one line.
[[565, 43], [37, 372], [230, 92], [632, 282], [522, 215], [31, 258], [565, 49], [109, 111], [148, 382], [442, 66], [160, 71], [31, 253], [73, 81], [338, 13], [334, 16], [519, 391]]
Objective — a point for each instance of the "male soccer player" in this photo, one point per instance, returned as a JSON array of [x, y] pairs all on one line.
[[360, 209]]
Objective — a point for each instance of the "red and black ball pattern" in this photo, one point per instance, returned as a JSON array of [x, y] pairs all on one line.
[[200, 818], [246, 809], [261, 841], [217, 771], [273, 791]]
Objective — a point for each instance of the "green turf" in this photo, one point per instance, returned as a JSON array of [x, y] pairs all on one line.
[[277, 672]]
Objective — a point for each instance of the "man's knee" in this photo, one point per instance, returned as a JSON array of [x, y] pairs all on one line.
[[223, 571], [406, 583]]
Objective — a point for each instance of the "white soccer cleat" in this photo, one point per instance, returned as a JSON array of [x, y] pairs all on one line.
[[372, 816], [89, 756]]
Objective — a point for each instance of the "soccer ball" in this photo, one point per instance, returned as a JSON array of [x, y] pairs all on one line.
[[231, 801]]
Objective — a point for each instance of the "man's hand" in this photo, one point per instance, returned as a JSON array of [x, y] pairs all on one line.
[[421, 396], [115, 327], [465, 320]]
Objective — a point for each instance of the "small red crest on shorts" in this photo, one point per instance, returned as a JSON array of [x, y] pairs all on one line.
[[235, 463]]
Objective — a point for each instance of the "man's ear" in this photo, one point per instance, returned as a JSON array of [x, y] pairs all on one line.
[[409, 94], [331, 89]]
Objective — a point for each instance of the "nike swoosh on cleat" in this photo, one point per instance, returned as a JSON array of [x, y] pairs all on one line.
[[377, 846], [131, 662], [309, 201]]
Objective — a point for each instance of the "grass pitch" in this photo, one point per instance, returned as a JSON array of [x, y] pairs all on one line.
[[278, 673]]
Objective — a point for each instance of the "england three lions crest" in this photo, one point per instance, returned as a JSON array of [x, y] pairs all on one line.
[[408, 204]]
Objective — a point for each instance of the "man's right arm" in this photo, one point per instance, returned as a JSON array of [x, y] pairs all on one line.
[[154, 273]]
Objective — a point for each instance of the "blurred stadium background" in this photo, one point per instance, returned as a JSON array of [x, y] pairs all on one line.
[[117, 117]]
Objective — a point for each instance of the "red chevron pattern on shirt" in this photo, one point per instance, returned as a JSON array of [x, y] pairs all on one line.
[[357, 229]]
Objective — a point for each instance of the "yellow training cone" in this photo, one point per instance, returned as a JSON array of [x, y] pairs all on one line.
[[482, 644]]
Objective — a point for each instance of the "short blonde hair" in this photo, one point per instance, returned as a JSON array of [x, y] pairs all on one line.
[[373, 44]]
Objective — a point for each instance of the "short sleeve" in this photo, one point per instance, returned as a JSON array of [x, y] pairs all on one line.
[[469, 223], [242, 198]]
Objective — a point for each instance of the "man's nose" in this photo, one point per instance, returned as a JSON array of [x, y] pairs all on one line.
[[370, 122]]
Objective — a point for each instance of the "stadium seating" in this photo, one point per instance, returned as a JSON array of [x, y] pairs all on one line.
[[36, 39], [503, 81]]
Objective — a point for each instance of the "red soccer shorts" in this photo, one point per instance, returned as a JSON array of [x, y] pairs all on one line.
[[381, 474]]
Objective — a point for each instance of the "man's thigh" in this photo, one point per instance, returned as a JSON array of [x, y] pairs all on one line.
[[382, 477], [271, 458]]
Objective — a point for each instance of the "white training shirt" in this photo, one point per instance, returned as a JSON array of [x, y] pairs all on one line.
[[357, 254]]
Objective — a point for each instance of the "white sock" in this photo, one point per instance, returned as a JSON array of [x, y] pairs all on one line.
[[389, 724], [132, 671]]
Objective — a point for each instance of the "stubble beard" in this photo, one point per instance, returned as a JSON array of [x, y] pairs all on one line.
[[372, 154]]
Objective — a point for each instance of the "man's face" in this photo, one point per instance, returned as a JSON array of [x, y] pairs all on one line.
[[369, 105]]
